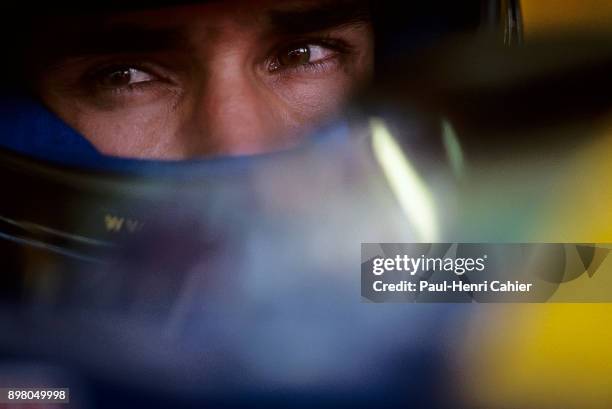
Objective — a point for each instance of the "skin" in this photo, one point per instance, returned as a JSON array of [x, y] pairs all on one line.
[[221, 78]]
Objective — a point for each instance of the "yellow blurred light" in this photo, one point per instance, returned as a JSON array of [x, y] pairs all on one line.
[[554, 355], [540, 16]]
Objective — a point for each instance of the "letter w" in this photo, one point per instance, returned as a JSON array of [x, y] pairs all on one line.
[[113, 223]]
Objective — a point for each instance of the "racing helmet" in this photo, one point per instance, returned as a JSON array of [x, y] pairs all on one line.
[[192, 250]]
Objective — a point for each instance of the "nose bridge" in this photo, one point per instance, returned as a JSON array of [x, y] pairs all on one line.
[[231, 109]]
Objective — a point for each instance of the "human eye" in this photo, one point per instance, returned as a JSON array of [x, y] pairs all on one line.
[[124, 76], [115, 77], [118, 82], [306, 55]]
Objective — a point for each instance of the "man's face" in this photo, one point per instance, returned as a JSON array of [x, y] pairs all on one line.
[[236, 77]]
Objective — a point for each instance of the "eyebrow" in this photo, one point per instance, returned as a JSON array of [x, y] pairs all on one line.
[[310, 18], [114, 38]]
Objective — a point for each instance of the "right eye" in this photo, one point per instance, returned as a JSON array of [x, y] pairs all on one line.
[[301, 55], [118, 77]]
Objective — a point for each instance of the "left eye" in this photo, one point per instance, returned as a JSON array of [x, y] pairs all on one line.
[[121, 77], [300, 55]]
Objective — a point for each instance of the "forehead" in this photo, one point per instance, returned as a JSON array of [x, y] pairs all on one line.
[[241, 11], [168, 27], [288, 15]]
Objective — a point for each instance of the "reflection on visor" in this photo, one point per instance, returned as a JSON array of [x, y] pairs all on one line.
[[410, 190]]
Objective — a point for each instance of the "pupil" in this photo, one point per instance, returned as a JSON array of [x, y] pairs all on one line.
[[118, 78], [296, 56]]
